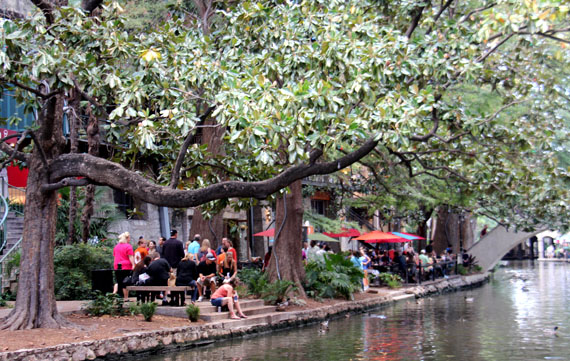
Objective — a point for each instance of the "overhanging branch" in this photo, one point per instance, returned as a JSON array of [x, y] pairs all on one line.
[[108, 173]]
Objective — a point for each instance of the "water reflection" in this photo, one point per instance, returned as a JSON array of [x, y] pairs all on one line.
[[505, 322]]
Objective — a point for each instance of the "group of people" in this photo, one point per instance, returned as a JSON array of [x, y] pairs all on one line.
[[170, 263]]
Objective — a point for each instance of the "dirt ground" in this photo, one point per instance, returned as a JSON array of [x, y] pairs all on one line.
[[98, 328], [94, 328]]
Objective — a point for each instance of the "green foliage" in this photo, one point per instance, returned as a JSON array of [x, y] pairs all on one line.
[[337, 276], [462, 270], [108, 304], [3, 300], [13, 262], [277, 291], [193, 312], [104, 215], [255, 281], [391, 280], [73, 266], [147, 309]]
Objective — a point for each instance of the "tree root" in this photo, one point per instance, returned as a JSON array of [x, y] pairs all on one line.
[[18, 320]]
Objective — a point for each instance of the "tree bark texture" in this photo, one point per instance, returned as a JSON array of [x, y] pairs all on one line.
[[212, 229], [450, 230], [286, 261], [35, 304], [93, 149]]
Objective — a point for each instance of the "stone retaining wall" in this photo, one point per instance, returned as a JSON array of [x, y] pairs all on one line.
[[191, 336]]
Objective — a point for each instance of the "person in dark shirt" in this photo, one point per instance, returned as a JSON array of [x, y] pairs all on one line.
[[207, 275], [173, 250], [187, 274], [158, 271]]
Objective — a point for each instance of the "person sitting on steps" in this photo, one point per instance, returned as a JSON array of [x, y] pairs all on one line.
[[226, 295], [207, 275]]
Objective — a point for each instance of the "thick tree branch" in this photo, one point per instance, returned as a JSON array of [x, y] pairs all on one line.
[[66, 182], [108, 173]]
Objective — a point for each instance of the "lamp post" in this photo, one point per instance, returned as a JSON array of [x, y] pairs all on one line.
[[461, 219]]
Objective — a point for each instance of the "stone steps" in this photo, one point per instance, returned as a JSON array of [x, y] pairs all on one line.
[[209, 313], [218, 316]]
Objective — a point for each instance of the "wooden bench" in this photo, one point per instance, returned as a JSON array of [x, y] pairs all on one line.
[[150, 293]]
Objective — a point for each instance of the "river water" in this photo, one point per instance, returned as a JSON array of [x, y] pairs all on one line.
[[510, 318]]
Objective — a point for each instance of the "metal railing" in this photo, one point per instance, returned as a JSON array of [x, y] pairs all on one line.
[[3, 221], [12, 199], [16, 199]]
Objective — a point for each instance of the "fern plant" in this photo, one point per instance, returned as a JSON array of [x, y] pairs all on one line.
[[277, 291], [255, 280], [337, 276]]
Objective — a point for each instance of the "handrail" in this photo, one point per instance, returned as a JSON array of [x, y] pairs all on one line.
[[3, 221], [3, 258]]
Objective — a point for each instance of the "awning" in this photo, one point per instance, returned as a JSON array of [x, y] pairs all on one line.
[[267, 233], [321, 237]]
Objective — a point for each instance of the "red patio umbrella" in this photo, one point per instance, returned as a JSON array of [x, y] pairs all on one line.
[[345, 233], [267, 233], [381, 237]]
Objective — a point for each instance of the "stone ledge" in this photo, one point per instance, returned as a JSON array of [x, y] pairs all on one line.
[[186, 337]]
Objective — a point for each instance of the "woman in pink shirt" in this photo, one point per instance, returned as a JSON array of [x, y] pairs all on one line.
[[226, 295], [124, 260]]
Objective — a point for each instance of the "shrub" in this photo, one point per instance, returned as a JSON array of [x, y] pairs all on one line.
[[193, 312], [147, 310], [462, 270], [277, 291], [255, 280], [108, 304], [391, 280], [73, 265], [3, 300], [337, 276], [477, 268]]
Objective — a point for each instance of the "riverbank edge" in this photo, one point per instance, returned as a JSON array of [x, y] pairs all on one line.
[[181, 338]]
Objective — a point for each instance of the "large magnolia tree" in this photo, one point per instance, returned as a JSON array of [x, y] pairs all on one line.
[[286, 81]]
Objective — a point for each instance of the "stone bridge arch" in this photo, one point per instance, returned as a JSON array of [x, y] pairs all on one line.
[[496, 243]]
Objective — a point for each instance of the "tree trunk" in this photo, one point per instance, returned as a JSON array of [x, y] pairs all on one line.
[[87, 212], [287, 262], [422, 229], [35, 303], [72, 214], [451, 230], [212, 229]]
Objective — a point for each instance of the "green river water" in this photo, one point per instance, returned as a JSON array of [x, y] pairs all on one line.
[[510, 318]]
